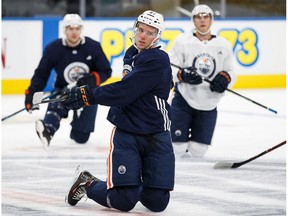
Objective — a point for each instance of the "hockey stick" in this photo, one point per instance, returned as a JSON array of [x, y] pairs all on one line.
[[15, 113], [184, 11], [229, 90], [231, 165], [49, 96], [38, 99], [189, 13], [38, 96], [9, 116]]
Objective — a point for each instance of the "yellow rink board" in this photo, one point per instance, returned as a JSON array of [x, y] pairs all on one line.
[[243, 82]]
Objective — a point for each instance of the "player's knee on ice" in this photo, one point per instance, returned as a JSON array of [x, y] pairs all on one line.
[[123, 198], [79, 137], [155, 199], [197, 149], [179, 147]]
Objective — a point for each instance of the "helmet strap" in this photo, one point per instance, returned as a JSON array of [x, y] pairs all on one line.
[[208, 30], [203, 33]]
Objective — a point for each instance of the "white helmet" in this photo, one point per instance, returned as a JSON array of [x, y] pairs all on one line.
[[72, 20], [153, 19], [202, 9]]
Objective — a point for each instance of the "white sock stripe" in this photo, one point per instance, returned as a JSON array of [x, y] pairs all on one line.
[[54, 114]]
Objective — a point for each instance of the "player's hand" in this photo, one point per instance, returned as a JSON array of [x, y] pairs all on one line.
[[189, 75], [92, 80], [29, 100], [78, 97], [220, 82]]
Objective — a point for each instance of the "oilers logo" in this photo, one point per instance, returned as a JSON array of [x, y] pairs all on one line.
[[74, 71], [126, 69], [121, 169], [178, 133], [128, 65], [205, 63]]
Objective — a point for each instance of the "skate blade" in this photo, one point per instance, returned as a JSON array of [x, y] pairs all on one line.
[[39, 130], [75, 177]]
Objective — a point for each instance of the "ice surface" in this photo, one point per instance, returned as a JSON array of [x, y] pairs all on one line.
[[35, 181]]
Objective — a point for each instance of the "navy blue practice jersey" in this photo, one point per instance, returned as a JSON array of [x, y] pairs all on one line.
[[139, 101], [70, 63]]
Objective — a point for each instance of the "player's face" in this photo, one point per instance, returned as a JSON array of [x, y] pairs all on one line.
[[202, 22], [73, 34], [145, 34]]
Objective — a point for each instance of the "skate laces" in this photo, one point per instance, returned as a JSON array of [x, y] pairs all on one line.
[[81, 191]]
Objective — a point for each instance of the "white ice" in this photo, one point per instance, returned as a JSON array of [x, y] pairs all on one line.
[[35, 181]]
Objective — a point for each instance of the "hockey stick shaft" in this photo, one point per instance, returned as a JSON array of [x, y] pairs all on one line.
[[54, 100], [229, 90], [49, 96], [15, 113], [9, 116], [238, 164], [184, 11], [230, 165], [38, 96]]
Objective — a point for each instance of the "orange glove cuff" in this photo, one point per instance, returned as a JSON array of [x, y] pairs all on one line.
[[97, 77]]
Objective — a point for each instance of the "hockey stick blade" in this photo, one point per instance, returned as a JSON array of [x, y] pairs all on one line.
[[55, 100], [231, 165], [226, 165], [38, 98]]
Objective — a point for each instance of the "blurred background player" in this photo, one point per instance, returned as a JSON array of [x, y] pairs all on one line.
[[75, 58], [194, 106], [141, 161]]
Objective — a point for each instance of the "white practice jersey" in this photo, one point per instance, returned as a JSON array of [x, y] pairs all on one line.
[[209, 57]]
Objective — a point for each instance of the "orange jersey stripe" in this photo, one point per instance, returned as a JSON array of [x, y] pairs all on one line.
[[109, 161]]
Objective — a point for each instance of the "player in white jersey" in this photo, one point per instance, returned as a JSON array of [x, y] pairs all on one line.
[[194, 105]]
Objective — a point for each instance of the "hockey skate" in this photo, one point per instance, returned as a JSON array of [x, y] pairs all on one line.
[[43, 133], [78, 189]]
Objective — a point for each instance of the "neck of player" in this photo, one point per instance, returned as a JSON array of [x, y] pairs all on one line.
[[204, 37], [73, 44]]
